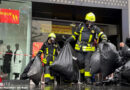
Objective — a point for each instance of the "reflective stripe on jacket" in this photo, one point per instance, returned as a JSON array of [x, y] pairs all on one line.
[[85, 37]]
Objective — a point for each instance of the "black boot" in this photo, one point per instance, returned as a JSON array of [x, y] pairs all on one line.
[[82, 78]]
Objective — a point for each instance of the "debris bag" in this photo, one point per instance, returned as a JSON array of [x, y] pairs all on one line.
[[109, 58], [24, 75], [125, 74], [32, 71], [35, 71], [95, 62], [75, 75], [125, 52], [64, 65]]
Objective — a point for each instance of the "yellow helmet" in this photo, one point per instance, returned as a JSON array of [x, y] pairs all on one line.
[[52, 35], [90, 17]]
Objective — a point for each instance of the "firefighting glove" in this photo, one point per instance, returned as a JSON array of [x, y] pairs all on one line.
[[44, 61]]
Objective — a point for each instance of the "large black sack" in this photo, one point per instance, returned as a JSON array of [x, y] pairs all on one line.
[[125, 74], [95, 62], [64, 65], [109, 58], [24, 75], [35, 71]]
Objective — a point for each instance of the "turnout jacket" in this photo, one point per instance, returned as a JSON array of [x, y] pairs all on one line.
[[85, 37], [50, 51]]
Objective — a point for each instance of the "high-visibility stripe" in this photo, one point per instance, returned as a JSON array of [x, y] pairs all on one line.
[[48, 88], [104, 37], [73, 37], [50, 62], [54, 51], [90, 38], [47, 51], [100, 34], [76, 33], [53, 58], [41, 51], [44, 61], [82, 70], [52, 77], [77, 47], [81, 33], [47, 76], [87, 74], [88, 45], [85, 48]]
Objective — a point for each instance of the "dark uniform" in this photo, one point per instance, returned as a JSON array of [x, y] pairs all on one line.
[[7, 62], [85, 46], [50, 51]]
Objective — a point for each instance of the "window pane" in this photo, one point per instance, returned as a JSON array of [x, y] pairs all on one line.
[[15, 35]]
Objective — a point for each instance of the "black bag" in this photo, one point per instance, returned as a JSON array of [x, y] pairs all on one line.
[[125, 74], [24, 75], [64, 65], [109, 58], [33, 71], [95, 63]]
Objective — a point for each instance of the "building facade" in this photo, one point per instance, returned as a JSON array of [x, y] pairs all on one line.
[[28, 22]]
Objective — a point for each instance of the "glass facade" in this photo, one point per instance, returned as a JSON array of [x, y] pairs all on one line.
[[15, 28]]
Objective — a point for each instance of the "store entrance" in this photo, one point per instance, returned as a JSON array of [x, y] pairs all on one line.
[[62, 20]]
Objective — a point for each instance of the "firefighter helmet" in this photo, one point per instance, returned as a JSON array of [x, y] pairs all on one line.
[[52, 35], [90, 17]]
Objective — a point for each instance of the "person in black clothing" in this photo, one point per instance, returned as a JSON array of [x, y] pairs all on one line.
[[50, 49], [7, 61]]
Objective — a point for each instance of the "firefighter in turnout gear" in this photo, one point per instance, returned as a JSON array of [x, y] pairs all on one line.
[[85, 35], [50, 50]]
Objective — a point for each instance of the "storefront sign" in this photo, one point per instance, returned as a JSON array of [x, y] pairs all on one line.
[[9, 16], [58, 29], [61, 29]]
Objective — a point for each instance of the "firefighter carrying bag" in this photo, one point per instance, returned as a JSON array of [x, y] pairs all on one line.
[[64, 64]]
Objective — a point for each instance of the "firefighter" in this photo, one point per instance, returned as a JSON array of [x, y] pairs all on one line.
[[50, 49], [85, 35]]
